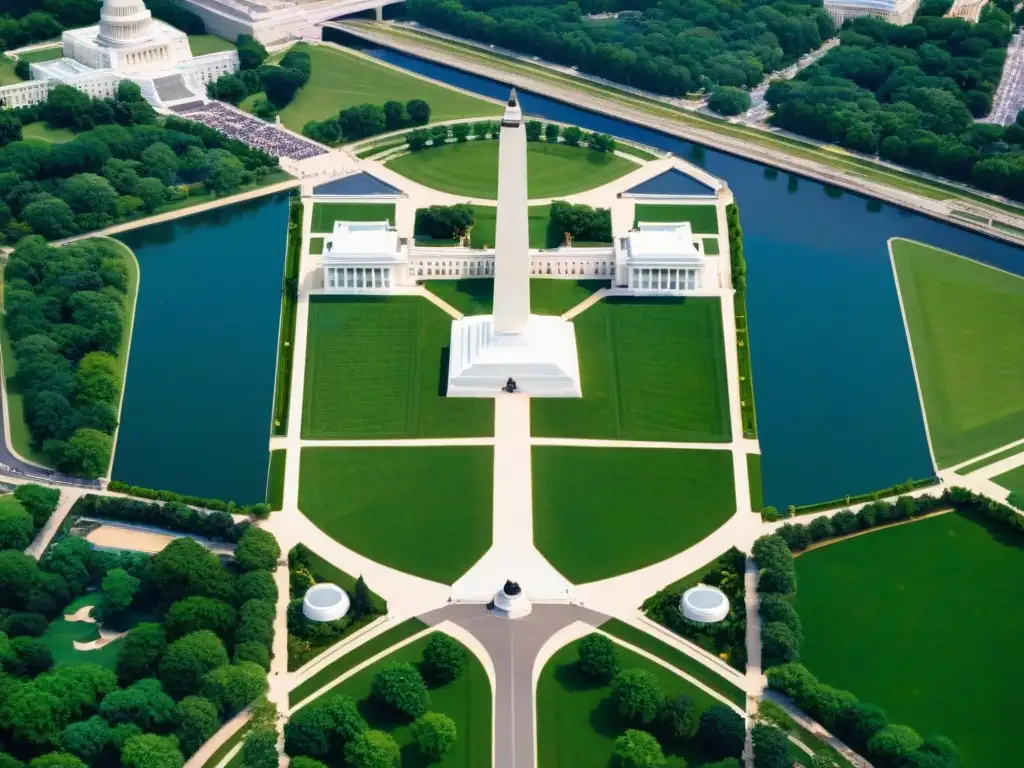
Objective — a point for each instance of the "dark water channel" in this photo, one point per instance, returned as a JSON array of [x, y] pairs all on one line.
[[837, 407], [197, 403]]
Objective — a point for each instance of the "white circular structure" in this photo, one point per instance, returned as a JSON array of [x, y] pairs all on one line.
[[325, 602], [704, 604], [511, 602]]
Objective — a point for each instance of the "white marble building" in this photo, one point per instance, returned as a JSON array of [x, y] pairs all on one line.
[[364, 257], [899, 12], [128, 43]]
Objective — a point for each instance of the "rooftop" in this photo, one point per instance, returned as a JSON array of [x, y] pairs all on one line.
[[662, 240]]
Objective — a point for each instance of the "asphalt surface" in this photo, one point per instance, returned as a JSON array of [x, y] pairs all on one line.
[[513, 645]]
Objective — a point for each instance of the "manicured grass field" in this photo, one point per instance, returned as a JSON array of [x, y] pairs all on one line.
[[7, 76], [42, 132], [925, 621], [577, 722], [426, 511], [340, 79], [367, 650], [651, 369], [43, 54], [965, 324], [467, 700], [703, 218], [223, 750], [992, 459], [471, 169], [711, 246], [555, 297], [473, 296], [316, 245], [599, 512], [321, 571], [754, 478], [204, 44], [60, 636], [325, 214], [378, 368], [275, 479], [1012, 481]]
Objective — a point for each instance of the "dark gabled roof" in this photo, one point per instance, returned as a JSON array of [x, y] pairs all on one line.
[[358, 184], [671, 182]]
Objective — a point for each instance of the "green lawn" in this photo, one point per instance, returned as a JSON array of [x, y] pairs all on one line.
[[630, 634], [367, 650], [754, 478], [340, 79], [1012, 481], [475, 296], [467, 700], [965, 324], [323, 571], [378, 368], [60, 636], [44, 133], [316, 245], [275, 479], [711, 246], [222, 751], [21, 438], [325, 214], [43, 54], [703, 218], [998, 456], [482, 235], [925, 621], [651, 369], [7, 76], [577, 722], [204, 44], [471, 169], [426, 511], [592, 518]]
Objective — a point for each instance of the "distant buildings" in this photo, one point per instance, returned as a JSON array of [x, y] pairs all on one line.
[[898, 12]]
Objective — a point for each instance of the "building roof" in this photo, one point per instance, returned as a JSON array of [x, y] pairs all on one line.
[[667, 242], [357, 185], [671, 182], [362, 241]]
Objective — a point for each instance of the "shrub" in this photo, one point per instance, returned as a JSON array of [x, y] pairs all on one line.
[[257, 585], [728, 100], [444, 660], [401, 687], [434, 734], [187, 660], [779, 643], [775, 581], [373, 749], [893, 744], [771, 747], [638, 749], [721, 732], [773, 552], [257, 549], [197, 720], [323, 727], [599, 659], [677, 718], [233, 687], [637, 695]]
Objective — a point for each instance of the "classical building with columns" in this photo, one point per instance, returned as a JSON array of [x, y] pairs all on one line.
[[899, 12], [127, 44]]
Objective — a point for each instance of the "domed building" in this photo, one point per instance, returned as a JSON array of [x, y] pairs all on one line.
[[127, 44]]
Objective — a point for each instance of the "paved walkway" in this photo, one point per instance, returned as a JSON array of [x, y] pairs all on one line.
[[68, 497]]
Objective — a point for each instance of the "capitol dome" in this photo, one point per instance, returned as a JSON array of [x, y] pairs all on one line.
[[124, 22]]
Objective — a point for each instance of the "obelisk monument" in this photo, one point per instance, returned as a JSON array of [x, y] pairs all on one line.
[[512, 233]]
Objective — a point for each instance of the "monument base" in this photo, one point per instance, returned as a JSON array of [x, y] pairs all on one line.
[[541, 360]]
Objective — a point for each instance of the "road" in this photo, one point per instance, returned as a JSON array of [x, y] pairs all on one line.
[[1008, 99]]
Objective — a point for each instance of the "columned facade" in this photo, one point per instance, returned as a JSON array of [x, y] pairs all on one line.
[[664, 280]]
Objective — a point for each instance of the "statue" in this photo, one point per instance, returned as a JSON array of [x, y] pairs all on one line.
[[510, 385], [511, 588]]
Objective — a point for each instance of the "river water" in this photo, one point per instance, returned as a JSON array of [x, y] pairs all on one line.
[[837, 408], [197, 404]]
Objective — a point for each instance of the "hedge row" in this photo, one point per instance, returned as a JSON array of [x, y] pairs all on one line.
[[258, 510], [172, 515], [771, 513]]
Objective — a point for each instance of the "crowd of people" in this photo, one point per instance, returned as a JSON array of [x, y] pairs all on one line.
[[253, 131]]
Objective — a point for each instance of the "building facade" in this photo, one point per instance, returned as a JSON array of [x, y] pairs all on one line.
[[899, 12]]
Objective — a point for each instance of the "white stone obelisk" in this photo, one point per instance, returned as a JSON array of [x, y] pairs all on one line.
[[512, 233]]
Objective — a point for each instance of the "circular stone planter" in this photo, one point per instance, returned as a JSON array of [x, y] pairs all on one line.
[[704, 604], [325, 602]]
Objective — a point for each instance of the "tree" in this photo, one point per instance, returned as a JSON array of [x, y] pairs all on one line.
[[281, 84], [779, 643], [251, 52], [57, 760], [160, 162], [772, 552], [19, 577], [86, 739], [323, 727], [893, 744], [233, 687], [195, 613], [638, 749], [572, 135], [534, 130], [89, 193], [373, 749], [143, 703], [50, 216], [24, 623], [260, 585], [185, 568], [727, 100], [29, 656], [127, 91], [858, 721], [252, 651], [434, 734], [152, 192], [16, 527], [147, 750], [774, 581], [400, 686], [264, 109], [598, 657], [444, 660], [140, 652], [31, 717], [119, 589], [10, 128], [196, 721], [227, 172], [257, 549], [227, 87], [637, 695], [38, 500], [362, 599], [87, 453], [297, 762], [259, 748], [677, 718], [395, 116], [460, 131], [551, 132], [419, 111], [187, 660], [771, 747], [721, 732], [417, 139]]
